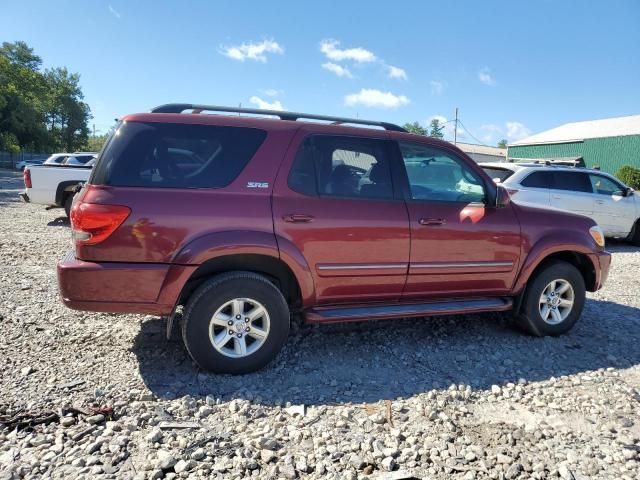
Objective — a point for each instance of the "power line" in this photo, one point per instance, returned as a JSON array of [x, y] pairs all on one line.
[[471, 135]]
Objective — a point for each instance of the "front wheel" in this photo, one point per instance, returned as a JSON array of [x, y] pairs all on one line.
[[634, 238], [553, 300], [235, 323]]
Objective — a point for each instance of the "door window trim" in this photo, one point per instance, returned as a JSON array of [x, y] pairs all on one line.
[[388, 151]]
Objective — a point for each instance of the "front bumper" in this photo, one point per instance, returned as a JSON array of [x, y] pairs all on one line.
[[602, 262], [149, 288]]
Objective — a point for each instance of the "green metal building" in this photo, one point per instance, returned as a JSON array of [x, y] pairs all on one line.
[[609, 143]]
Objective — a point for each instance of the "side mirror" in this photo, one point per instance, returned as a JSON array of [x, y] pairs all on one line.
[[628, 192], [502, 197]]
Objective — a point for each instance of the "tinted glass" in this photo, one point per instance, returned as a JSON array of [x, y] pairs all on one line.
[[499, 174], [341, 166], [572, 181], [538, 180], [175, 155], [605, 186], [435, 174]]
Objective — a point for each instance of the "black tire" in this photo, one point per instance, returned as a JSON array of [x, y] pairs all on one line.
[[634, 238], [530, 317], [67, 204], [215, 293]]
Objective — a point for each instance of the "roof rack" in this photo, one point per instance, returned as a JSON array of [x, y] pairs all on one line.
[[181, 107]]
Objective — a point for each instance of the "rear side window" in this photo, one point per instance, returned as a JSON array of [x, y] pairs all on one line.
[[572, 181], [339, 166], [170, 155], [538, 180]]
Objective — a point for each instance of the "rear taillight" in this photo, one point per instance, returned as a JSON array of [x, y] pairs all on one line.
[[26, 176], [92, 223]]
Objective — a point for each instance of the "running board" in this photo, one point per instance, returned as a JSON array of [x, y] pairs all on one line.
[[345, 313]]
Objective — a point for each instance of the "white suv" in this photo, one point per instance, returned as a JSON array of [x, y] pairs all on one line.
[[604, 198]]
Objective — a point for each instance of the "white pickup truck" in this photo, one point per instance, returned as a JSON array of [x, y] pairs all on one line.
[[54, 186]]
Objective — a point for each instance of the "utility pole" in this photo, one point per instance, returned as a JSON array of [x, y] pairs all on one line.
[[455, 129], [94, 130]]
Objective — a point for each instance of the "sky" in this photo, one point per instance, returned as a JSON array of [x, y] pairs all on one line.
[[512, 68]]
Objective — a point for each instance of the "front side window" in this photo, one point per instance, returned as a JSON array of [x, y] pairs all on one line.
[[437, 175], [339, 166], [168, 155], [572, 181], [605, 186]]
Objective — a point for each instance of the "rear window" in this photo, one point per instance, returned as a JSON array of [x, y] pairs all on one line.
[[496, 173], [170, 155]]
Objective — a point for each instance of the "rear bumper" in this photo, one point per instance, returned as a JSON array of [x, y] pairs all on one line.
[[602, 262], [149, 288]]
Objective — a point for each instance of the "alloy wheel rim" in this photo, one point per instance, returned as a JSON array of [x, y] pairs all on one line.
[[556, 301], [239, 327]]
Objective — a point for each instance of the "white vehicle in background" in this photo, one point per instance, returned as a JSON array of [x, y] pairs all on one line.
[[54, 186], [604, 198], [22, 164], [71, 159]]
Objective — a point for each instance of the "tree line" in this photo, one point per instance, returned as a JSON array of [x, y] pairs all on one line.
[[436, 130], [40, 109]]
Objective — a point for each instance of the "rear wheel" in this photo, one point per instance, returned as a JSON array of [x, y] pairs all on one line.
[[235, 323], [67, 204], [553, 300]]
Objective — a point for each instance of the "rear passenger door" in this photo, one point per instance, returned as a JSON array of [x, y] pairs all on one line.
[[572, 191], [334, 201], [535, 188]]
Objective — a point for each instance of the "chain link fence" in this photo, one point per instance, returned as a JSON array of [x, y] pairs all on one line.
[[10, 161]]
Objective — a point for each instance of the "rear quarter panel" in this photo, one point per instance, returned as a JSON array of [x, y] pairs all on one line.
[[45, 181]]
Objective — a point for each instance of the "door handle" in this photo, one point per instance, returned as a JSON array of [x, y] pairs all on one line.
[[432, 222], [298, 218], [600, 202]]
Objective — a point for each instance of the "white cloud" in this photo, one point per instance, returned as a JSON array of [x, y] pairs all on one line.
[[114, 12], [264, 105], [271, 92], [490, 132], [437, 88], [517, 131], [331, 49], [339, 70], [252, 51], [484, 75], [375, 98], [396, 72]]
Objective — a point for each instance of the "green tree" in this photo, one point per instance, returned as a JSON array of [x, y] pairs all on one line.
[[95, 143], [39, 110], [415, 127], [436, 129], [67, 114], [629, 176], [502, 143]]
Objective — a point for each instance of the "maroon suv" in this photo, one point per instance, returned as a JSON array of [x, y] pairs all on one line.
[[245, 221]]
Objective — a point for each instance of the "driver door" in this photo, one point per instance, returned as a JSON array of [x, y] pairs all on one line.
[[460, 245]]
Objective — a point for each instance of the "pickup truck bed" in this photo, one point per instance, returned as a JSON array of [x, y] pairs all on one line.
[[52, 185]]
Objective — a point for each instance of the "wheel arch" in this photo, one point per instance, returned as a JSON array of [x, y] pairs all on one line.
[[257, 252], [573, 248]]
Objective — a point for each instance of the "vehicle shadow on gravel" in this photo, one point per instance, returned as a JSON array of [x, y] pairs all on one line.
[[385, 360], [59, 222]]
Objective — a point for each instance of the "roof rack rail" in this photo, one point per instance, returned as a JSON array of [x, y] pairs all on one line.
[[181, 107]]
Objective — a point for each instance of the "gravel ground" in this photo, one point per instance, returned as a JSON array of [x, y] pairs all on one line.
[[461, 397]]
